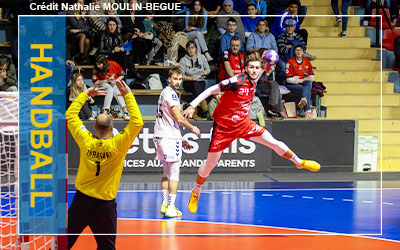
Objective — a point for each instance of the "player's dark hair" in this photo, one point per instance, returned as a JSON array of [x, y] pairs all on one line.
[[177, 70]]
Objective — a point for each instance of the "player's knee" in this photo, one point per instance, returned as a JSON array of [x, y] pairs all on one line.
[[175, 170]]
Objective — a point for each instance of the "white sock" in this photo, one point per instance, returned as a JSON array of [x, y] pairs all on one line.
[[295, 159], [164, 196], [171, 200]]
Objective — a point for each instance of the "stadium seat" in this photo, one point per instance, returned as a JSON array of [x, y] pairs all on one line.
[[388, 38], [386, 25]]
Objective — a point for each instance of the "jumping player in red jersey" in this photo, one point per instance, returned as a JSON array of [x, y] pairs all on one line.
[[231, 121]]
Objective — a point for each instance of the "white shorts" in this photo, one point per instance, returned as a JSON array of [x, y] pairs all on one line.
[[169, 150]]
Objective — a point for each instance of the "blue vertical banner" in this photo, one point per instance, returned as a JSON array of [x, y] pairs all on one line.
[[42, 139]]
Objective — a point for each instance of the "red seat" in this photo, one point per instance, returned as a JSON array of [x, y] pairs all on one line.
[[388, 38], [385, 25]]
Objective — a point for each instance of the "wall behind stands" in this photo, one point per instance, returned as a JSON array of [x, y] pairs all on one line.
[[329, 142]]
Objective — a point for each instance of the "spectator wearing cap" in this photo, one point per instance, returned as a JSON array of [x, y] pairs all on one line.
[[227, 36], [261, 6], [285, 42], [278, 26], [261, 38], [250, 22], [299, 78], [226, 13]]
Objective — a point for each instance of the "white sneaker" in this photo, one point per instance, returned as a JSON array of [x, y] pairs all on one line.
[[338, 21], [125, 116], [208, 57], [365, 23], [172, 211]]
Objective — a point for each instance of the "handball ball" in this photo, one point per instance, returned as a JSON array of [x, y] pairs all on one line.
[[271, 57]]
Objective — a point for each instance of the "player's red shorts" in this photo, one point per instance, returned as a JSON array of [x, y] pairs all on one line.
[[222, 137]]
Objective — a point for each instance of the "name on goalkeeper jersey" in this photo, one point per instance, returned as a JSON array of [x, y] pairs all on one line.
[[97, 155]]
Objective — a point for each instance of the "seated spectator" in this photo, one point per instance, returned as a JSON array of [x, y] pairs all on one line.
[[105, 72], [285, 42], [212, 7], [227, 36], [299, 78], [250, 23], [213, 104], [226, 13], [277, 6], [233, 60], [240, 6], [8, 74], [151, 27], [261, 38], [112, 13], [278, 27], [270, 88], [195, 69], [78, 32], [368, 11], [77, 87], [111, 43], [133, 29], [261, 6], [256, 111], [98, 24], [196, 27]]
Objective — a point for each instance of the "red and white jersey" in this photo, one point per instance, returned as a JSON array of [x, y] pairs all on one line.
[[233, 107], [237, 63], [293, 68], [165, 125]]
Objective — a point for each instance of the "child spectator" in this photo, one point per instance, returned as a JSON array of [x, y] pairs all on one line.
[[77, 87], [150, 26], [195, 69], [261, 6], [196, 27], [226, 13], [256, 111], [8, 74], [105, 73], [299, 78], [261, 38], [227, 36], [250, 23]]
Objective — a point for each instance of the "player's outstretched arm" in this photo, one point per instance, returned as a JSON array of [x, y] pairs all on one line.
[[215, 89], [182, 121]]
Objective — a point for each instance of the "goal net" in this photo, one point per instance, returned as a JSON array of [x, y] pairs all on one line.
[[9, 180]]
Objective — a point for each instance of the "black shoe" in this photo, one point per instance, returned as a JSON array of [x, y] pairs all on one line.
[[272, 111]]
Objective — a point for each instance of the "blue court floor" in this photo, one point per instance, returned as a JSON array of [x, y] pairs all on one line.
[[333, 207]]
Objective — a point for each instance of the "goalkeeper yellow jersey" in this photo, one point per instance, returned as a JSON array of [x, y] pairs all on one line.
[[102, 160]]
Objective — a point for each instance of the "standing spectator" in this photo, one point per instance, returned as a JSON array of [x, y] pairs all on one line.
[[227, 36], [195, 69], [345, 8], [261, 6], [100, 167], [233, 60], [250, 23], [196, 27], [105, 73], [77, 87], [299, 78], [78, 28], [285, 42], [8, 74], [368, 10], [261, 38], [226, 13], [150, 26], [256, 111], [169, 141]]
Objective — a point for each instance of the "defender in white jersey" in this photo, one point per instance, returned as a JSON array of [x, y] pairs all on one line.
[[169, 142]]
